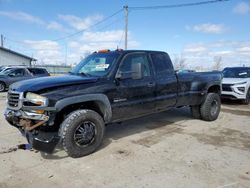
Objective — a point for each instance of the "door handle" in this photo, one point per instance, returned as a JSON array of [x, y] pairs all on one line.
[[150, 84]]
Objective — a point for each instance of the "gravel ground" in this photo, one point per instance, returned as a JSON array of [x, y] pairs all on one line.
[[169, 149]]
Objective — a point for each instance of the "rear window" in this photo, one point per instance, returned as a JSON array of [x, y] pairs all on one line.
[[38, 71], [162, 63]]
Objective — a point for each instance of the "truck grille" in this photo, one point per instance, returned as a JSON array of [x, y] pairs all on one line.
[[227, 87], [14, 100]]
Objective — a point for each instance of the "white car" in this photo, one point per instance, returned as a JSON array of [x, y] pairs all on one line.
[[236, 83]]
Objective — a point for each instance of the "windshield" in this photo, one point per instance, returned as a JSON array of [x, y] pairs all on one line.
[[97, 64], [236, 73], [6, 71]]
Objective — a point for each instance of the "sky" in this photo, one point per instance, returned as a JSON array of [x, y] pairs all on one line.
[[199, 35]]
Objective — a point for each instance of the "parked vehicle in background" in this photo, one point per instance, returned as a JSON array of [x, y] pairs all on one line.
[[9, 75], [106, 87], [236, 84], [2, 68]]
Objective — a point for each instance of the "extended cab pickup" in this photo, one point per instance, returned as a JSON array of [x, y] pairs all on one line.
[[106, 87]]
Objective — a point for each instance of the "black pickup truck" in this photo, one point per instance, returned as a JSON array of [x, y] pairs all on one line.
[[106, 87]]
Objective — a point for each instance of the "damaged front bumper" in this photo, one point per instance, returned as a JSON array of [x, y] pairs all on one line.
[[42, 141]]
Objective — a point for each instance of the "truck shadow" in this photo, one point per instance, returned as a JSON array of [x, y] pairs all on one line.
[[233, 103], [114, 132], [117, 131]]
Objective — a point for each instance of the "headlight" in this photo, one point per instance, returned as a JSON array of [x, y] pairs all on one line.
[[240, 83], [36, 99]]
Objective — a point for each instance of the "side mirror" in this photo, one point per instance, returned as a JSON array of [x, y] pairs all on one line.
[[11, 75]]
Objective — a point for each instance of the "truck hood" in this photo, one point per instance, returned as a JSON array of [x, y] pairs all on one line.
[[37, 84], [234, 80]]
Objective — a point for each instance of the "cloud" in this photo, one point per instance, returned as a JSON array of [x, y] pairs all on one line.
[[46, 51], [53, 52], [73, 49], [80, 23], [22, 16], [53, 25], [106, 36], [208, 28], [28, 18], [242, 8], [43, 44], [233, 53], [195, 48], [89, 42]]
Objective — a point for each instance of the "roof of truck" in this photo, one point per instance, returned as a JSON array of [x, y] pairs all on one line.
[[127, 51]]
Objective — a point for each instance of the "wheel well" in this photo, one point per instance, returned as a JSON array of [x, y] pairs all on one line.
[[3, 82], [214, 89], [91, 105]]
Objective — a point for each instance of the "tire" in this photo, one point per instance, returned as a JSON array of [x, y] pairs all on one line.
[[210, 108], [196, 112], [2, 87], [76, 141], [247, 100]]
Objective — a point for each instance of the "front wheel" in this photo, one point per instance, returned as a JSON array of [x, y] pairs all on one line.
[[2, 86], [210, 109], [82, 133], [247, 100]]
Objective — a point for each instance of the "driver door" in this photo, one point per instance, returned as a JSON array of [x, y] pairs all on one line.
[[134, 97]]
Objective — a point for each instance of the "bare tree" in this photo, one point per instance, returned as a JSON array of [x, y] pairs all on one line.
[[179, 62], [217, 63]]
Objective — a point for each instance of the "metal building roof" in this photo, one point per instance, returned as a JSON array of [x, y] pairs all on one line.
[[17, 53]]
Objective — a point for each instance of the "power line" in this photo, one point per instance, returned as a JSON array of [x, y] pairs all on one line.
[[178, 5], [126, 8], [78, 32], [110, 24]]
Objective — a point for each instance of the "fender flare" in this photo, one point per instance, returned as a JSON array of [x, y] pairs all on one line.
[[216, 83], [101, 99]]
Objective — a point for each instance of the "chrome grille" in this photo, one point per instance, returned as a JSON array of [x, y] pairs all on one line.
[[14, 100]]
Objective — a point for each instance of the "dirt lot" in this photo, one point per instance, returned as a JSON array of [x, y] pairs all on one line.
[[169, 149]]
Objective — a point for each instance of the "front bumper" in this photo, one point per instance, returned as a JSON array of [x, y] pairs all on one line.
[[238, 91], [10, 114], [42, 141], [232, 95]]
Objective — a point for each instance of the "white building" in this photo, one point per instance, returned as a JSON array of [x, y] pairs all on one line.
[[10, 58]]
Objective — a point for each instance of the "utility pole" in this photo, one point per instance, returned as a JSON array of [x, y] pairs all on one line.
[[126, 26], [2, 40]]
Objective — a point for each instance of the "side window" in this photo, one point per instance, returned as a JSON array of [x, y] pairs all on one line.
[[162, 63], [126, 65], [37, 71], [18, 72]]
